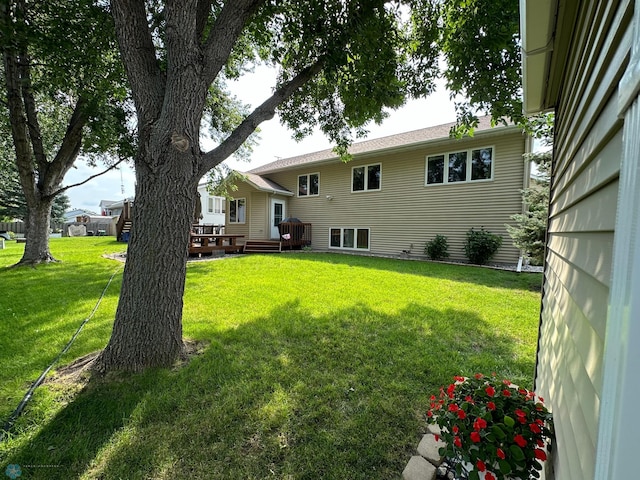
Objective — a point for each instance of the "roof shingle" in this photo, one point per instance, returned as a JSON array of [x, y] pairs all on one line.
[[423, 135]]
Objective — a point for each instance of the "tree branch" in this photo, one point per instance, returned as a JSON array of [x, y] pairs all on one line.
[[64, 189], [264, 112], [73, 136], [17, 116], [31, 111], [224, 34], [139, 57]]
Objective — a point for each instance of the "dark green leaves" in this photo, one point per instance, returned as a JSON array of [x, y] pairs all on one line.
[[505, 467], [517, 453], [509, 422], [481, 46], [498, 432]]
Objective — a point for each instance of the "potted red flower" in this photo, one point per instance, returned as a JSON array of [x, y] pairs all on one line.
[[493, 429]]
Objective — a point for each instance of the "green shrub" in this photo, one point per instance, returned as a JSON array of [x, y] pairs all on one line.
[[437, 249], [481, 245]]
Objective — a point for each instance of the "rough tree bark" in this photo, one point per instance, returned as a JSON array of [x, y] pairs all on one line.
[[148, 326], [36, 249]]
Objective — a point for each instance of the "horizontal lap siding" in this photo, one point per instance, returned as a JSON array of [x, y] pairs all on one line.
[[405, 213], [259, 216], [244, 191], [584, 198]]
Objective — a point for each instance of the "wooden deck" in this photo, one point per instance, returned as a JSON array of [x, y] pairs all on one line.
[[293, 235], [207, 243]]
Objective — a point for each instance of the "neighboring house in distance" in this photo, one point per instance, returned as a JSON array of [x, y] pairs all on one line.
[[213, 207], [113, 208], [582, 59], [396, 193], [105, 207], [71, 215]]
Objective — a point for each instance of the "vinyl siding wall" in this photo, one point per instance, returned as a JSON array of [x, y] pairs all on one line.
[[405, 213], [583, 206], [258, 214], [244, 191]]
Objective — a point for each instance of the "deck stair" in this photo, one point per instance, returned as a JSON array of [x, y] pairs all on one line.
[[123, 227], [262, 246]]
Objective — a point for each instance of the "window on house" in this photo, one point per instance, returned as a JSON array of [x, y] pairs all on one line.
[[220, 204], [309, 185], [481, 161], [366, 177], [463, 166], [457, 167], [215, 205], [349, 238], [435, 169], [237, 210]]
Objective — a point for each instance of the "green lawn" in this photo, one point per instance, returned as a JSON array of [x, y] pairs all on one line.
[[317, 365]]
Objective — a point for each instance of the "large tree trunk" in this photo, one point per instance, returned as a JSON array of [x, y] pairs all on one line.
[[148, 327], [36, 249], [147, 331]]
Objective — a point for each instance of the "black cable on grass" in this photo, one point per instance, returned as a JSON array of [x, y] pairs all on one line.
[[6, 430]]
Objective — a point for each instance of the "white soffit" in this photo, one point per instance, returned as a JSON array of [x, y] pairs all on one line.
[[537, 27]]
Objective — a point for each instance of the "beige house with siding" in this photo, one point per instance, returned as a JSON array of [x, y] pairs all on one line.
[[582, 60], [396, 193]]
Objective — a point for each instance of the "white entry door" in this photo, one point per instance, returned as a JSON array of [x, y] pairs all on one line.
[[277, 215]]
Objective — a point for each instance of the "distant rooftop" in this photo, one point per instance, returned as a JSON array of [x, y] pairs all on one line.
[[415, 137]]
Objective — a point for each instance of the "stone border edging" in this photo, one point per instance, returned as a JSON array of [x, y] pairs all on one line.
[[424, 465]]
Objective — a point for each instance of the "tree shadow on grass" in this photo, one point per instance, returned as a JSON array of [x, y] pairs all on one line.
[[290, 395]]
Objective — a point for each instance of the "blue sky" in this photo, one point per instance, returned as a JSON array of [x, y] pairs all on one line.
[[276, 141]]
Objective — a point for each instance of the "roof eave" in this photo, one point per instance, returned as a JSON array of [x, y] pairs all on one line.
[[273, 191], [395, 149], [537, 27]]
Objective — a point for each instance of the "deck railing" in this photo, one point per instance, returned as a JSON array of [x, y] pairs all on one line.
[[207, 229], [295, 234]]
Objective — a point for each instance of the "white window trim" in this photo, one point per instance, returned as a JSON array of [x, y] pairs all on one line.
[[308, 175], [220, 205], [245, 211], [355, 238], [366, 178], [445, 175]]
